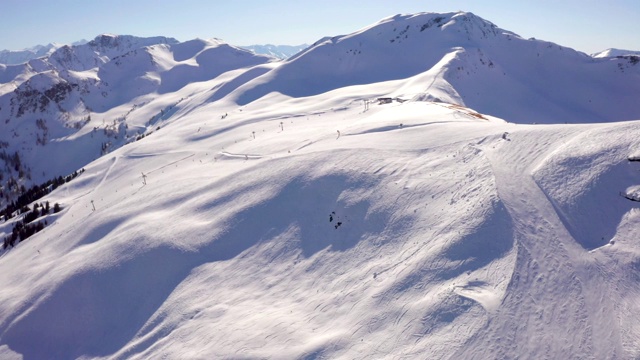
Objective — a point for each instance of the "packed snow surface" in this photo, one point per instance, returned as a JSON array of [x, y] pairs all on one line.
[[266, 219]]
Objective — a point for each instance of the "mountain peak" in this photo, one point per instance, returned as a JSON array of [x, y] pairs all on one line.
[[467, 20], [112, 41], [612, 52]]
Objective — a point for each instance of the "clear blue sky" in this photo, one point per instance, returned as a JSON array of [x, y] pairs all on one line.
[[585, 25]]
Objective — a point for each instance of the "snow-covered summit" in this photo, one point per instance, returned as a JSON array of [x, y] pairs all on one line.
[[14, 57], [100, 50], [466, 60], [116, 45], [615, 52]]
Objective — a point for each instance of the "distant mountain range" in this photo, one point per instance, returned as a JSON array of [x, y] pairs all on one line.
[[15, 57], [277, 51], [454, 58], [60, 95]]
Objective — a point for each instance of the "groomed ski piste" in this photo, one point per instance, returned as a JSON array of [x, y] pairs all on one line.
[[331, 224]]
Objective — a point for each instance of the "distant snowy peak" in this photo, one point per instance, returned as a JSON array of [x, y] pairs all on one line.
[[112, 70], [15, 57], [455, 24], [614, 53], [394, 48], [115, 45], [277, 51], [463, 19], [432, 29], [100, 50]]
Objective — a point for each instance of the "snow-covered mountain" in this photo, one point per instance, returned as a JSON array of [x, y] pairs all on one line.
[[469, 61], [615, 52], [347, 203], [278, 51], [13, 57], [86, 94]]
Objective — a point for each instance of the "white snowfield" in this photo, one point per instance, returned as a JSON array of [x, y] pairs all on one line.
[[282, 211], [615, 52]]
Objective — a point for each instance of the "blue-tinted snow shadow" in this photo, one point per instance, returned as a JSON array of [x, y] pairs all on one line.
[[396, 127], [97, 311], [243, 78], [306, 205], [592, 216], [490, 241]]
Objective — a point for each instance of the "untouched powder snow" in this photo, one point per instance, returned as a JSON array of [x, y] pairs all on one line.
[[270, 218]]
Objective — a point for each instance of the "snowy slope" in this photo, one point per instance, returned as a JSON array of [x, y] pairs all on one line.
[[455, 58], [278, 210], [81, 99], [614, 53], [421, 230], [470, 59], [14, 57]]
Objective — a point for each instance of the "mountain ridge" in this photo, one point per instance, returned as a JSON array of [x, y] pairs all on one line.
[[278, 51], [451, 57], [611, 52], [64, 93]]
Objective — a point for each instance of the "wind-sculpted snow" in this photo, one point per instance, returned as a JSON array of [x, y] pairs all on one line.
[[581, 180], [209, 63]]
